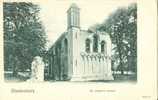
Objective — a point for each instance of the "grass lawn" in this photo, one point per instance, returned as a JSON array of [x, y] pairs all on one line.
[[10, 78], [117, 78]]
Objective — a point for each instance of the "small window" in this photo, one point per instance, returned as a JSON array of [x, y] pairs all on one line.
[[95, 43], [87, 45], [103, 46], [66, 46]]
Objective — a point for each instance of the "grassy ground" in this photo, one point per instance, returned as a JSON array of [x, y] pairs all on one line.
[[125, 77], [117, 78], [10, 78]]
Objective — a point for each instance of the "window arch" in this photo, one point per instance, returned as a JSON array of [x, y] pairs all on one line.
[[87, 45], [95, 43], [102, 46]]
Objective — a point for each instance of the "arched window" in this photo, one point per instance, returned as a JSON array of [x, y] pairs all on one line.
[[66, 46], [87, 45], [102, 46], [95, 43]]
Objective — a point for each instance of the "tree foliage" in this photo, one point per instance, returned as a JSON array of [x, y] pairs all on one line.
[[24, 35], [122, 28]]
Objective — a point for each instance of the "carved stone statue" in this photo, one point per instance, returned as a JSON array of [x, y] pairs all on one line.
[[37, 69]]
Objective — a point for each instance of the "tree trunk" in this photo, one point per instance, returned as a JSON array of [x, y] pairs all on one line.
[[120, 57], [15, 71], [122, 72]]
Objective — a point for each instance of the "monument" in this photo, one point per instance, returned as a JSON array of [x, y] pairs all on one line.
[[37, 70]]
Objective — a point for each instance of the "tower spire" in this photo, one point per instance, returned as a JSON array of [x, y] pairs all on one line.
[[73, 16]]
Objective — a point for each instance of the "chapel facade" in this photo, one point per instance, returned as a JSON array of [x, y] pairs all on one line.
[[79, 55]]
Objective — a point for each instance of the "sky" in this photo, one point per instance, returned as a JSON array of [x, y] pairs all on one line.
[[54, 17]]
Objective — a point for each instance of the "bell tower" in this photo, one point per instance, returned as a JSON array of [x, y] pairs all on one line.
[[73, 29], [73, 16]]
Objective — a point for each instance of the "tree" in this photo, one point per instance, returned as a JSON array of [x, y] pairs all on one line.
[[24, 35], [122, 28]]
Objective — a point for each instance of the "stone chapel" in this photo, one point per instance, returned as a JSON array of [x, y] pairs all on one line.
[[79, 55]]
